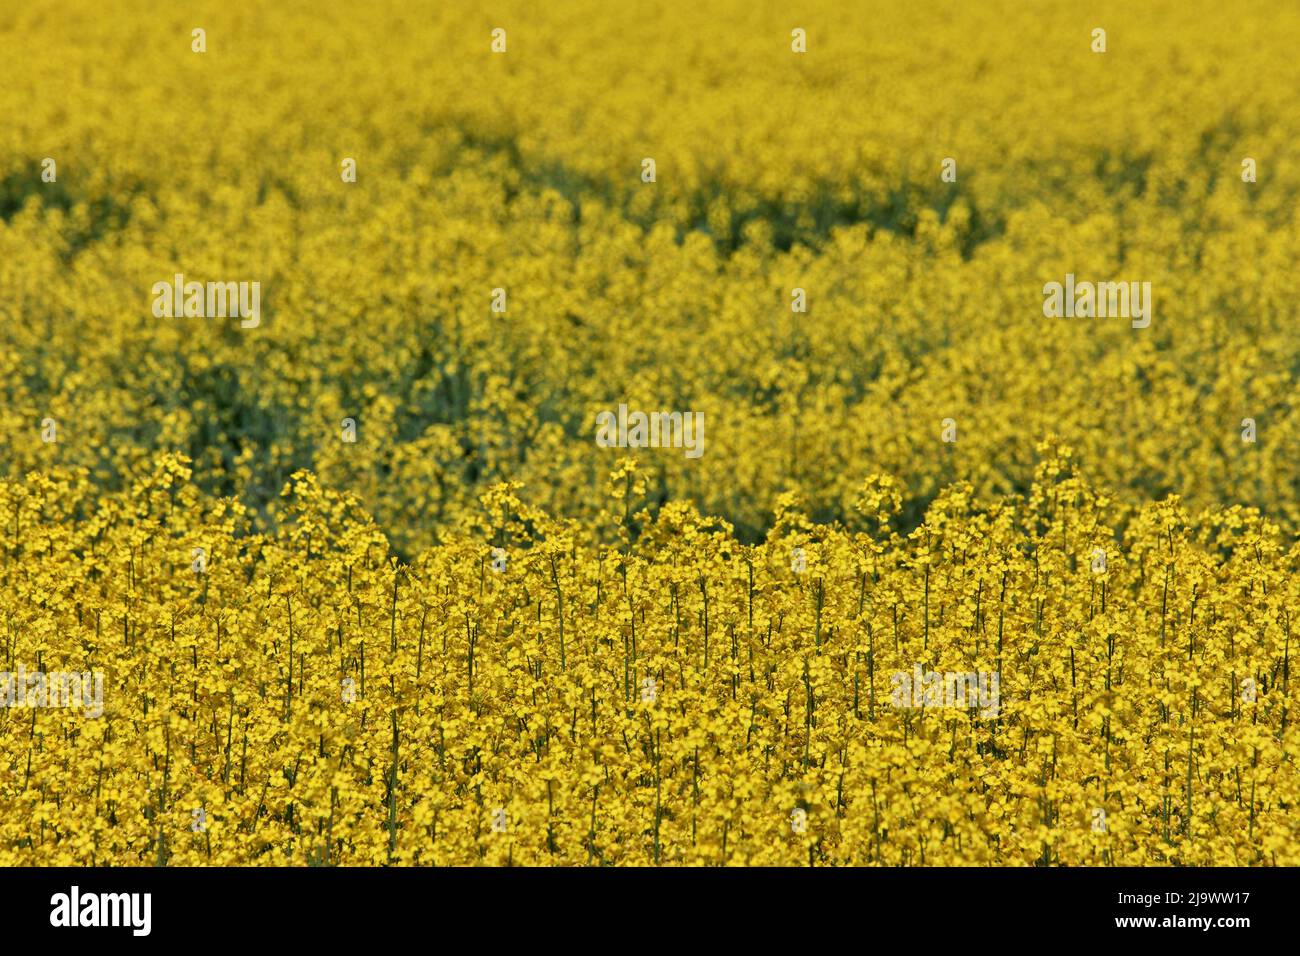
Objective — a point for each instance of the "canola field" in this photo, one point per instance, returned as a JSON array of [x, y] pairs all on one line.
[[948, 576]]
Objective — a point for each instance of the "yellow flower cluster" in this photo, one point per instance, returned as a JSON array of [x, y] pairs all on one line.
[[475, 635], [515, 696]]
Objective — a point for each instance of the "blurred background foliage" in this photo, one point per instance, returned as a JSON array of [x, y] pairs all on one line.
[[774, 171]]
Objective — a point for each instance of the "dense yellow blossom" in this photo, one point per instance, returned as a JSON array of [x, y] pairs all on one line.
[[671, 701], [474, 635]]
